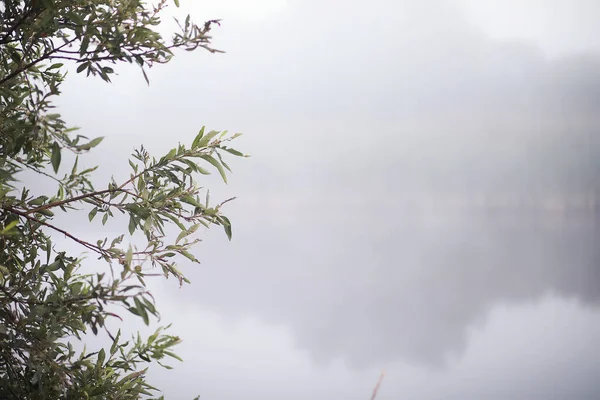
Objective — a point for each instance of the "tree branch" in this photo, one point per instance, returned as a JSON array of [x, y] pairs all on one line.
[[6, 36], [67, 234], [70, 200], [44, 56]]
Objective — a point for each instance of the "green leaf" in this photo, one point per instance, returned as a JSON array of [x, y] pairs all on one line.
[[189, 256], [175, 220], [47, 213], [149, 306], [82, 66], [132, 224], [93, 143], [206, 139], [84, 45], [145, 76], [48, 250], [190, 200], [10, 226], [202, 170], [198, 138], [55, 266], [227, 226], [74, 169], [173, 355], [76, 288], [55, 157], [171, 154], [223, 163], [141, 309], [176, 3], [148, 224], [217, 165], [234, 152], [113, 348], [181, 235], [101, 357], [129, 256], [92, 213], [38, 201]]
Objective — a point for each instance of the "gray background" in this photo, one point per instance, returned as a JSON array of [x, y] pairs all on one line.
[[370, 125]]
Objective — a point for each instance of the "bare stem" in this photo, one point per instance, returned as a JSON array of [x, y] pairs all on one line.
[[378, 385]]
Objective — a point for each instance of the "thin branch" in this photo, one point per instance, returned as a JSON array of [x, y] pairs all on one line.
[[67, 234], [225, 202], [9, 295], [67, 201], [84, 197], [378, 385], [6, 36], [44, 56]]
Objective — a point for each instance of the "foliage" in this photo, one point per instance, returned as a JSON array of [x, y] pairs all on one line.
[[47, 298]]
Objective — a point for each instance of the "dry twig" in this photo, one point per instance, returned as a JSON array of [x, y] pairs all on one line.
[[377, 386]]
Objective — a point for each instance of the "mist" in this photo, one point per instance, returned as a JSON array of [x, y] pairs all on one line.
[[422, 196]]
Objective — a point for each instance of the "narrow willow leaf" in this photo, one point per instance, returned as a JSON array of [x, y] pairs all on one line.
[[217, 165], [175, 220], [93, 143], [203, 171], [129, 256], [101, 357], [48, 250], [198, 138], [47, 213], [223, 163], [169, 155], [226, 226], [193, 228], [190, 200], [233, 151], [113, 348], [132, 224], [148, 224], [74, 169], [173, 355], [38, 201], [10, 226], [55, 157], [206, 139], [189, 256], [149, 306], [181, 235], [141, 310], [145, 76], [92, 214]]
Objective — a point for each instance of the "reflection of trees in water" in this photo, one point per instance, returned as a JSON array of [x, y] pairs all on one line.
[[517, 210], [508, 255]]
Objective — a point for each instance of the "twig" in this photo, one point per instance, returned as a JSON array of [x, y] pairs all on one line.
[[11, 29], [43, 57], [378, 384], [67, 234], [67, 201]]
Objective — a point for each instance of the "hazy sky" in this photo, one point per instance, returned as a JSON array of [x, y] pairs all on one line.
[[367, 124]]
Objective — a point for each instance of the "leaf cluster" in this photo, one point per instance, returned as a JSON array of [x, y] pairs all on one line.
[[49, 298]]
